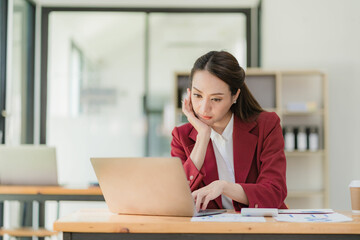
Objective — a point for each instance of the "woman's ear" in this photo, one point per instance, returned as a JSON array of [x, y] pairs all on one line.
[[236, 95]]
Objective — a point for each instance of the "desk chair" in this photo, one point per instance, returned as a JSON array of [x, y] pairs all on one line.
[[26, 230]]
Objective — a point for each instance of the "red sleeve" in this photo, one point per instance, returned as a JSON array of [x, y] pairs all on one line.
[[270, 190], [194, 176]]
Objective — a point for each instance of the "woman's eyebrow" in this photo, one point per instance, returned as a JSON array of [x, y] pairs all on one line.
[[219, 93]]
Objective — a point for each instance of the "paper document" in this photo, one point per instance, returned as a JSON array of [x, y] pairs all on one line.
[[332, 217], [226, 217], [297, 211]]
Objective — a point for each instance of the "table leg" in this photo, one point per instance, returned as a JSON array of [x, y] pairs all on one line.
[[27, 210], [26, 218], [1, 216], [66, 236], [41, 216]]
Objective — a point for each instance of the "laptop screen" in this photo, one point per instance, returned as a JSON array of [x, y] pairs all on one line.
[[28, 165]]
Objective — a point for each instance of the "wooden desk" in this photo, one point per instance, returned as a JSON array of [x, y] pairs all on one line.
[[46, 193], [101, 224]]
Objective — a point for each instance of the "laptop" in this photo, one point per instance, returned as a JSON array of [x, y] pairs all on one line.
[[28, 165], [146, 186]]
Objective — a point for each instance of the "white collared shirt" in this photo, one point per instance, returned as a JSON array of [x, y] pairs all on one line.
[[223, 149]]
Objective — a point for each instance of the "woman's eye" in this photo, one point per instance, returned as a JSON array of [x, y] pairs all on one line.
[[197, 95], [216, 99]]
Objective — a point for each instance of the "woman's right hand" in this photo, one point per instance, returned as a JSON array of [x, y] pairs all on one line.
[[202, 128], [202, 140]]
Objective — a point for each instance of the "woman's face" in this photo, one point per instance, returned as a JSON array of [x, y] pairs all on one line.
[[211, 99]]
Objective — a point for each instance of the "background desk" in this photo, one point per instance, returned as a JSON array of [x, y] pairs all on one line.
[[46, 193], [101, 224]]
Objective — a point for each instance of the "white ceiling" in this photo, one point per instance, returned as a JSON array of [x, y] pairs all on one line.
[[149, 3]]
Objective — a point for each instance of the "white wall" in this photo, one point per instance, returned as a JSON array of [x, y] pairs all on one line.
[[323, 34]]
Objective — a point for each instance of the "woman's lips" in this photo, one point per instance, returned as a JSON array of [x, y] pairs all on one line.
[[206, 117]]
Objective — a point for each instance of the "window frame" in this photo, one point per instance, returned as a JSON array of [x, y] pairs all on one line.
[[45, 35], [3, 54]]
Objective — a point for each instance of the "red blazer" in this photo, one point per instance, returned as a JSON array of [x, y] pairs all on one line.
[[259, 161]]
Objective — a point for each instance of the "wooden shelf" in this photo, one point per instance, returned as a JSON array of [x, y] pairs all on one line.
[[291, 113], [305, 193], [319, 153], [263, 72], [272, 110], [259, 72], [302, 72]]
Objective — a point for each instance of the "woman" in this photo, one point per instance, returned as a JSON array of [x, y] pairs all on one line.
[[231, 149]]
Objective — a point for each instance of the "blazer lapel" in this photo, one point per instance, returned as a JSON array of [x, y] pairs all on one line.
[[244, 145], [210, 165]]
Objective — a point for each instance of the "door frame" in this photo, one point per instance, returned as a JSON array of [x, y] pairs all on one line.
[[3, 55]]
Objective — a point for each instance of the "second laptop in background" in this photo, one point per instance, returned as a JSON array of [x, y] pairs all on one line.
[[28, 165]]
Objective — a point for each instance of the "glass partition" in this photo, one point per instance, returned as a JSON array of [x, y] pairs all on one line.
[[95, 89], [111, 80], [176, 41], [3, 37], [20, 86]]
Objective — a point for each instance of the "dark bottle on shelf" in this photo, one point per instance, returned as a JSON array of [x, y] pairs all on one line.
[[313, 139]]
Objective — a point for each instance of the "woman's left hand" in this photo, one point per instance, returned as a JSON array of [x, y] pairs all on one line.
[[204, 195]]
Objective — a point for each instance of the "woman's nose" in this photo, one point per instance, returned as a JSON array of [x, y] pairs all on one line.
[[205, 106]]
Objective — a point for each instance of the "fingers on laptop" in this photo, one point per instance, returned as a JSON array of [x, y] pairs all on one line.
[[202, 199], [206, 194]]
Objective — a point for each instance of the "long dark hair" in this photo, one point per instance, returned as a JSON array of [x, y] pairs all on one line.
[[225, 66]]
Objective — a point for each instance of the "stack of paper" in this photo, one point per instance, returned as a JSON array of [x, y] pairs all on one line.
[[285, 215]]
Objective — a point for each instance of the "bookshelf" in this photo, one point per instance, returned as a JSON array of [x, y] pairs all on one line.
[[300, 99]]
